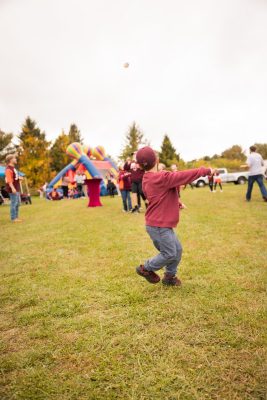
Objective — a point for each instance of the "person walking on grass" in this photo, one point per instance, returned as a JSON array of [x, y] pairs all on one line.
[[255, 164], [162, 215], [211, 182], [13, 186], [217, 181]]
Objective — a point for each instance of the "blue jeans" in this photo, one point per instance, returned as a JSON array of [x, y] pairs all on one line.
[[126, 200], [14, 205], [259, 180], [167, 243]]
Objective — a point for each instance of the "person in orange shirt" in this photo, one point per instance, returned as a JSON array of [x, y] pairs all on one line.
[[12, 186]]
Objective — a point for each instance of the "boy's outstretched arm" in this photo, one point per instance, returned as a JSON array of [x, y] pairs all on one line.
[[178, 178]]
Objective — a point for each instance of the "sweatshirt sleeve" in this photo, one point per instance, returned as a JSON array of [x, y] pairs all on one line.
[[174, 179]]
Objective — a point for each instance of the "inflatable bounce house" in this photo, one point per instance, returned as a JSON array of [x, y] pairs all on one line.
[[94, 164]]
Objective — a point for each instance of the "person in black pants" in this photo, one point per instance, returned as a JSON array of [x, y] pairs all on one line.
[[211, 182], [65, 187], [137, 192], [111, 188]]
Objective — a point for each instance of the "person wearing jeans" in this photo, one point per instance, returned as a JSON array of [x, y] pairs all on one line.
[[14, 206], [255, 164], [162, 216], [126, 199], [13, 186], [167, 243], [124, 180], [259, 180]]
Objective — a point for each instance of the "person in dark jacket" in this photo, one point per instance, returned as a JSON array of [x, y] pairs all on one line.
[[125, 186], [137, 175], [111, 187]]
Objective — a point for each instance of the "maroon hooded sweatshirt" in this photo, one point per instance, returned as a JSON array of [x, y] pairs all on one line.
[[160, 189]]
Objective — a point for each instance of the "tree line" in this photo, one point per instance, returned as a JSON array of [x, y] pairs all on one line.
[[231, 158], [40, 159]]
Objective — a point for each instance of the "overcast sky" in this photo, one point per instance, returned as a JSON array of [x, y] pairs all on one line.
[[198, 70]]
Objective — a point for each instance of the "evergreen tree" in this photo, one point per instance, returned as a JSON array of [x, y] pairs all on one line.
[[134, 138], [75, 134], [6, 145], [34, 154], [167, 154], [59, 158]]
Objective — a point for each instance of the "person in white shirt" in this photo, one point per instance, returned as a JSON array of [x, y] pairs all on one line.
[[79, 179], [255, 164]]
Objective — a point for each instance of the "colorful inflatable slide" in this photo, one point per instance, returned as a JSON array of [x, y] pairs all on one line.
[[94, 164]]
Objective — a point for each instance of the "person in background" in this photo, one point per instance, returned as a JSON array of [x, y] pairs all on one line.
[[2, 200], [65, 186], [127, 164], [217, 181], [54, 195], [85, 189], [161, 167], [13, 186], [42, 190], [111, 187], [175, 169], [125, 185], [71, 193], [255, 164], [137, 192], [79, 179], [211, 182]]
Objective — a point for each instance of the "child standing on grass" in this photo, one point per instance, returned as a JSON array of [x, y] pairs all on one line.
[[217, 181], [211, 182], [162, 215]]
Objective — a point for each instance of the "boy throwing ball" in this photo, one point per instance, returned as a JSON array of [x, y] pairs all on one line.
[[162, 215]]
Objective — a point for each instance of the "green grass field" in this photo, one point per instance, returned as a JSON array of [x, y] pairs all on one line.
[[78, 323]]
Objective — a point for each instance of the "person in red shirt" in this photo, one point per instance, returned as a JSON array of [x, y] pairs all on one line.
[[125, 186], [13, 186], [162, 215], [137, 175], [54, 195]]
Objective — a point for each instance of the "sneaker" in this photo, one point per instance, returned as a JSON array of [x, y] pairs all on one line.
[[17, 220], [135, 210], [150, 276], [171, 280]]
